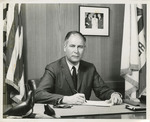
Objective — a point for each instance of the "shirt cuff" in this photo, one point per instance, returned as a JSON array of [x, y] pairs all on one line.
[[117, 93]]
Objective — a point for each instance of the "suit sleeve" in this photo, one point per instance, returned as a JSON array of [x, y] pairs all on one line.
[[101, 90], [45, 91]]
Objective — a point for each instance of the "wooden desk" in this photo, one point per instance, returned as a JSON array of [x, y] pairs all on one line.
[[80, 111]]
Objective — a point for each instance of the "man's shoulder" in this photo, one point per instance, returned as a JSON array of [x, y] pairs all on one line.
[[87, 64], [55, 63]]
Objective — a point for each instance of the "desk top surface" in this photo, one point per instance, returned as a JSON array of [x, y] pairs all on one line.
[[81, 110]]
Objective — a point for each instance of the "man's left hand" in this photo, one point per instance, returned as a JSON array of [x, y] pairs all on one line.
[[115, 98]]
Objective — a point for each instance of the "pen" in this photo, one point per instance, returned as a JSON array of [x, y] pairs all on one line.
[[77, 92]]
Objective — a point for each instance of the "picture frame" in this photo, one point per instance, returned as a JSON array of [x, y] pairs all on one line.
[[94, 20]]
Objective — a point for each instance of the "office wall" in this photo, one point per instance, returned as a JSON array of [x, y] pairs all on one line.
[[45, 29], [46, 26]]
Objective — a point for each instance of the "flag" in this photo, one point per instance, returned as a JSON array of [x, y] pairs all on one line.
[[133, 57], [5, 8], [142, 51], [13, 51]]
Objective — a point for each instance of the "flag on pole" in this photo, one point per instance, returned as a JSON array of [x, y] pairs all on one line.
[[142, 51], [133, 58], [13, 52]]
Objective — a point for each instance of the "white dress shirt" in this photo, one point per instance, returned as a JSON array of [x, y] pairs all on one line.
[[71, 65]]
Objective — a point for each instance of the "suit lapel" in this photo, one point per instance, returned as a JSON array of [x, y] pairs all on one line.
[[67, 73]]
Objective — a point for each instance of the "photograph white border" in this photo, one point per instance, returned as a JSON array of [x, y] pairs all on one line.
[[77, 1], [92, 31]]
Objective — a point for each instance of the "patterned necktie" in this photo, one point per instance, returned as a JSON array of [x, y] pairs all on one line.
[[74, 77]]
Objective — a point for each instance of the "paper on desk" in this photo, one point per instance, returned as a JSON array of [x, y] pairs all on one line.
[[98, 103]]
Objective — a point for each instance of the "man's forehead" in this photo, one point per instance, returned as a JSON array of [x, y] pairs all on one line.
[[76, 37]]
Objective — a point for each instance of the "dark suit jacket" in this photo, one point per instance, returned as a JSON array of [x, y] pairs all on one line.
[[57, 82]]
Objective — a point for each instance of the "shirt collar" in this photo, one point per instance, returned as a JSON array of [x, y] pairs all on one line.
[[71, 65]]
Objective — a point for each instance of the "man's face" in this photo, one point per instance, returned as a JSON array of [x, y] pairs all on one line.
[[74, 48]]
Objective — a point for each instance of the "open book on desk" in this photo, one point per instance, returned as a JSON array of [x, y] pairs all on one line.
[[98, 103]]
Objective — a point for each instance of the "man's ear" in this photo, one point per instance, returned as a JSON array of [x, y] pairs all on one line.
[[64, 47]]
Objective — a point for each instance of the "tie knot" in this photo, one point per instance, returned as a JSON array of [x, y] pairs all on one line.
[[73, 68]]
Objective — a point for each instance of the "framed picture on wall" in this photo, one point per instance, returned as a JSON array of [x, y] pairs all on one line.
[[94, 20]]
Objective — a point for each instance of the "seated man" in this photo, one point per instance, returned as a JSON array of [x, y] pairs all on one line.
[[70, 80]]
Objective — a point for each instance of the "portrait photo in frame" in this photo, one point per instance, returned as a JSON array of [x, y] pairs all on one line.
[[94, 20]]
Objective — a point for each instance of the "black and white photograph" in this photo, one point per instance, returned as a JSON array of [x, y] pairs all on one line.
[[94, 20], [74, 61]]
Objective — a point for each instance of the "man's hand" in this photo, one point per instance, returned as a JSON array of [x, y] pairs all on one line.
[[78, 99], [115, 99]]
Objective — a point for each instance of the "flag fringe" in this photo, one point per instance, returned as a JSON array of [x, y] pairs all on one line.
[[125, 71], [135, 67]]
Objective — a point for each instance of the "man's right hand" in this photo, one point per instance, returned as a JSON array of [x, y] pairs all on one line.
[[78, 99]]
